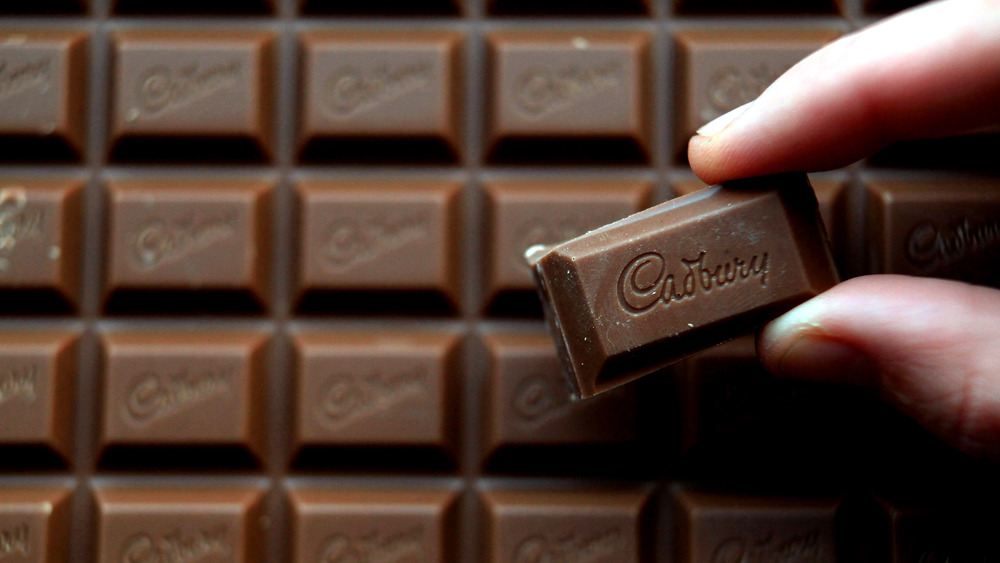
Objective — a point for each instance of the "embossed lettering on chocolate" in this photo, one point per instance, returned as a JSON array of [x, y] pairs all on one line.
[[641, 293]]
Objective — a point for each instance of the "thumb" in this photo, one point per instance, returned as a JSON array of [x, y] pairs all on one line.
[[931, 347]]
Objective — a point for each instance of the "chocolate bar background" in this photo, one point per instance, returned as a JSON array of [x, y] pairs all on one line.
[[379, 233]]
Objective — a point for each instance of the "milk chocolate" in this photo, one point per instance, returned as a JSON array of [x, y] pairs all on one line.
[[732, 527], [381, 95], [43, 94], [634, 296], [34, 524], [938, 228], [569, 96]]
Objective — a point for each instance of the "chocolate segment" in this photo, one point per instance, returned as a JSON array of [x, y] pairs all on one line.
[[529, 404], [183, 389], [634, 296], [379, 95], [373, 525], [568, 525], [523, 213], [192, 95], [568, 96], [718, 70], [216, 524], [37, 383], [941, 229], [205, 243], [40, 243], [34, 524], [365, 242], [729, 527], [376, 389], [43, 93]]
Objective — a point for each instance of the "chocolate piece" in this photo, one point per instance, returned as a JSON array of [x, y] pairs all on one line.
[[207, 241], [523, 213], [756, 6], [634, 296], [43, 93], [943, 229], [831, 196], [191, 389], [564, 525], [373, 525], [376, 389], [37, 381], [528, 402], [40, 243], [718, 70], [34, 524], [192, 95], [727, 527], [370, 239], [210, 524], [568, 96], [380, 95]]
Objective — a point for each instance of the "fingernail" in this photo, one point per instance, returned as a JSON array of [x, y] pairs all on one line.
[[723, 121], [819, 358]]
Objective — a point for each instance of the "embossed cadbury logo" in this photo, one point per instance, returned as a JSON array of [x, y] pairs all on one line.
[[538, 397], [21, 77], [155, 396], [15, 541], [540, 91], [162, 88], [572, 546], [351, 396], [16, 224], [351, 90], [645, 281], [353, 239], [731, 87], [159, 241], [374, 546], [18, 382], [931, 245], [176, 546], [772, 549]]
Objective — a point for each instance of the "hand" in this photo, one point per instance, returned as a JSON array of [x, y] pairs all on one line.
[[932, 347]]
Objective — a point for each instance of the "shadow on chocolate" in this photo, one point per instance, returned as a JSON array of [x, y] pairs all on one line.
[[35, 302], [183, 302], [380, 7], [47, 7], [561, 150], [629, 459], [159, 457], [194, 7], [379, 150], [429, 303], [27, 148], [975, 152], [33, 458], [758, 7], [515, 304], [560, 7], [188, 150], [372, 459]]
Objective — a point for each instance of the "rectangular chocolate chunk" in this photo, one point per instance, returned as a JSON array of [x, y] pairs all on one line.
[[34, 524], [564, 525], [201, 393], [381, 96], [723, 527], [179, 524], [37, 382], [938, 228], [634, 296], [360, 524], [192, 95]]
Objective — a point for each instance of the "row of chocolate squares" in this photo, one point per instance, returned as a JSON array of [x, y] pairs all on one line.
[[458, 7], [201, 399], [388, 96], [402, 245], [498, 525]]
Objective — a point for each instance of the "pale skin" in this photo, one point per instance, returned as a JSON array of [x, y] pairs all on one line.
[[931, 347]]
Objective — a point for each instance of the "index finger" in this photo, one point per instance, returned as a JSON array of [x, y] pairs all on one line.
[[928, 72]]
